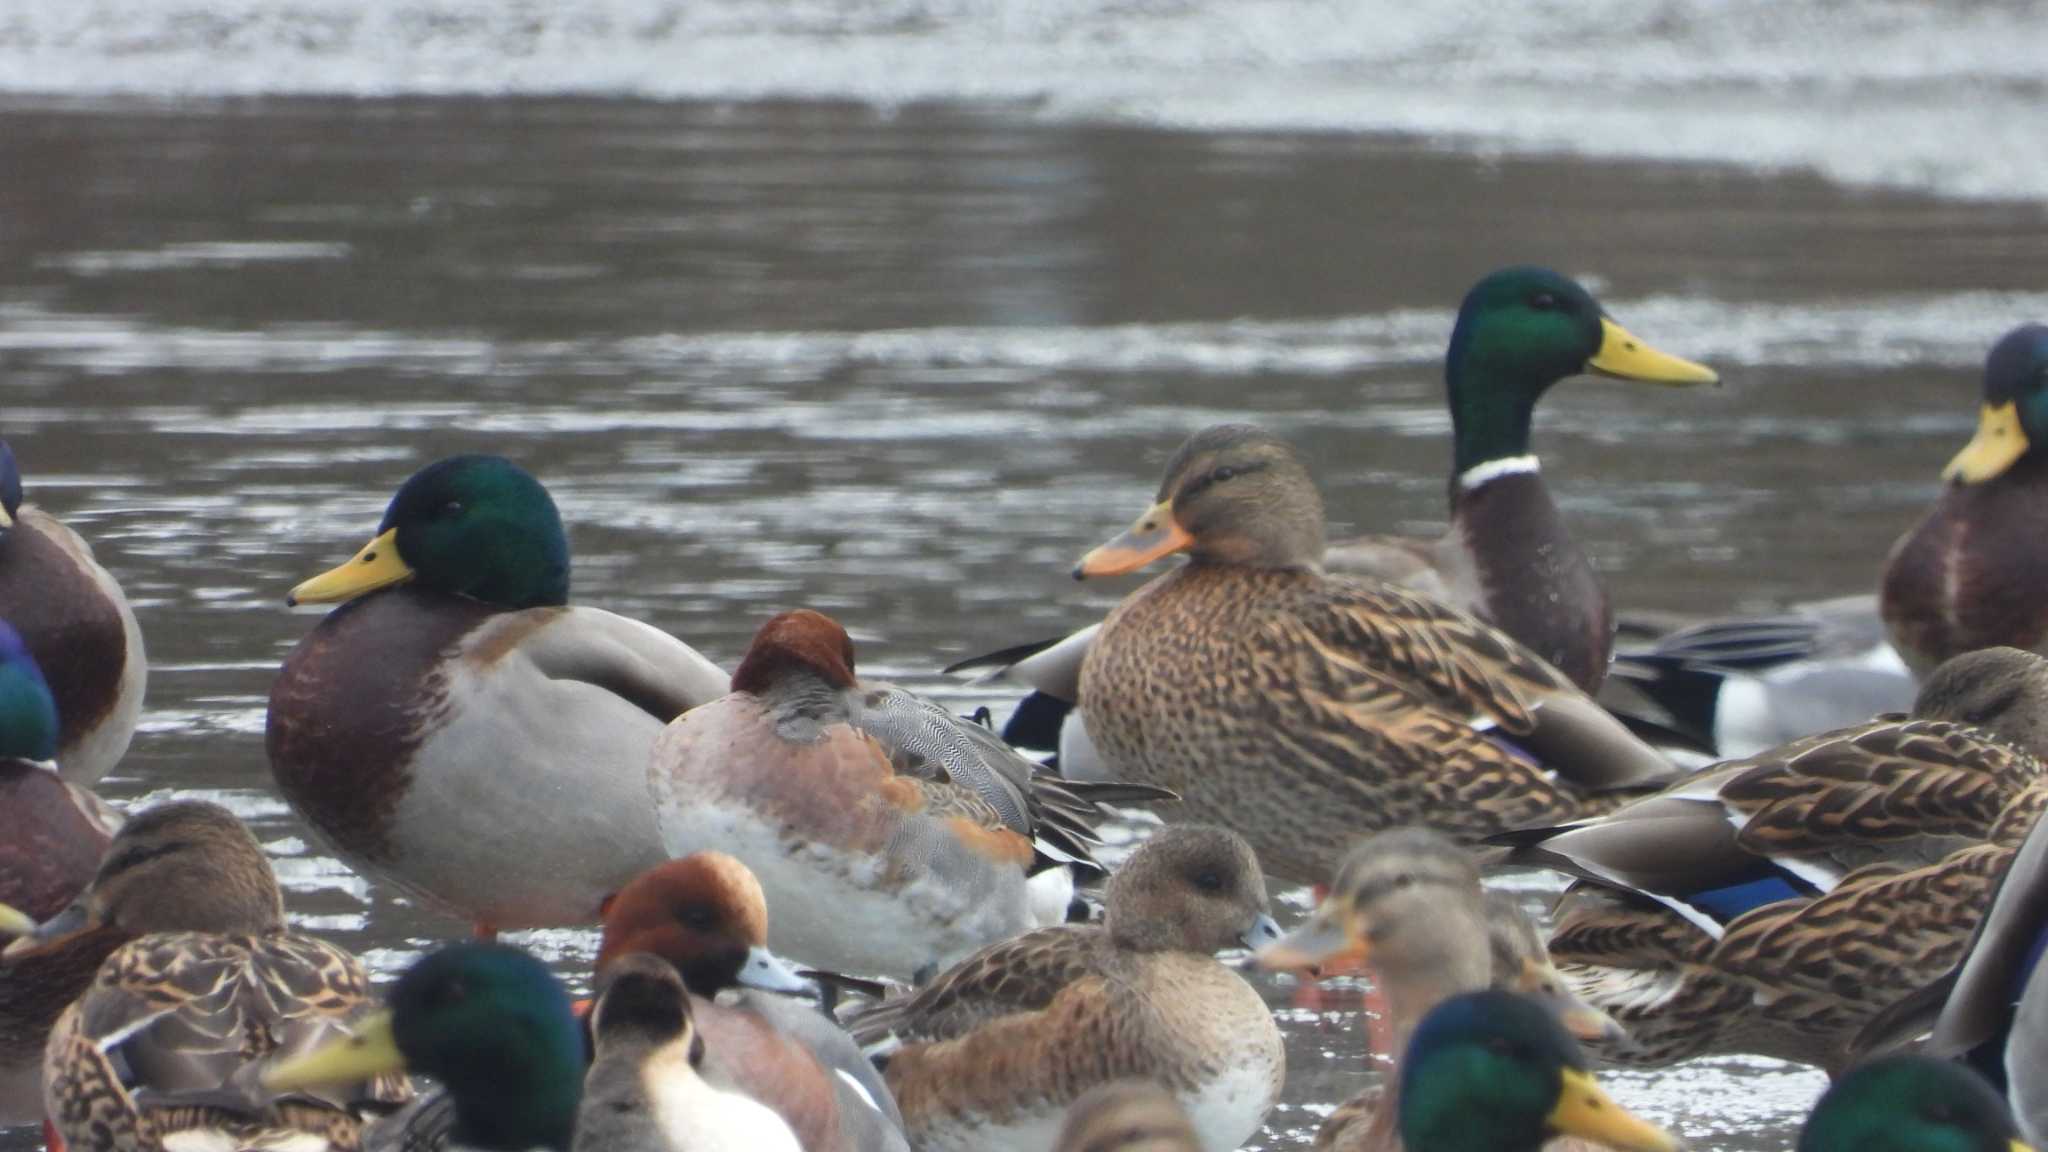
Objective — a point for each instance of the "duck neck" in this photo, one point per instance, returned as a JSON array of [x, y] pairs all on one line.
[[517, 1116], [1491, 410]]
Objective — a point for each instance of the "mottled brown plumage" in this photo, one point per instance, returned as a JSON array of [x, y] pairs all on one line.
[[1302, 708], [1408, 906], [998, 1046], [167, 1038], [1775, 905]]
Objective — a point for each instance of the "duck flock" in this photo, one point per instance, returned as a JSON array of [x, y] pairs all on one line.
[[839, 918]]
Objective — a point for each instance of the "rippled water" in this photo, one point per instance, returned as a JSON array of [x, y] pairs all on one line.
[[904, 367]]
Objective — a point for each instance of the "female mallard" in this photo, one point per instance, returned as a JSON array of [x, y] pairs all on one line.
[[492, 1025], [1301, 708], [1508, 557], [994, 1050], [1910, 1103], [1991, 1009], [160, 1050], [52, 836], [1407, 905], [1775, 905], [887, 833], [1494, 1071], [458, 728], [79, 627], [1967, 576]]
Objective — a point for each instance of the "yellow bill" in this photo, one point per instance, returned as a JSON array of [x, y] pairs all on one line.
[[15, 922], [378, 565], [371, 1052], [1997, 446], [6, 518], [1153, 535], [2018, 1146], [1585, 1109], [1626, 357]]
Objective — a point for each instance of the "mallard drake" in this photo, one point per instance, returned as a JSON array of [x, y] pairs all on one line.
[[492, 1025], [1127, 1116], [1965, 577], [705, 915], [458, 728], [1407, 905], [79, 627], [1910, 1103], [161, 1050], [1494, 1071], [994, 1050], [886, 832], [1774, 905], [1302, 708], [52, 837], [645, 1092], [1508, 557]]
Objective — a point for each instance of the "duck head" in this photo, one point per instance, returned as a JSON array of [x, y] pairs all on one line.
[[185, 866], [475, 526], [1495, 1071], [799, 642], [1190, 888], [703, 914], [1407, 904], [1127, 1116], [2003, 691], [1233, 494], [488, 1021], [1910, 1103], [1521, 330], [2015, 412]]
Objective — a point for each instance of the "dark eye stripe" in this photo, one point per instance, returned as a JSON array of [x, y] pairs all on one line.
[[1369, 892], [1219, 474]]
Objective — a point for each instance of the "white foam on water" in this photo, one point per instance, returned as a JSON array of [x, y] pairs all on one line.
[[1946, 98]]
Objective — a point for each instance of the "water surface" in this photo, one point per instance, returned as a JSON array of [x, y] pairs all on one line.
[[904, 366]]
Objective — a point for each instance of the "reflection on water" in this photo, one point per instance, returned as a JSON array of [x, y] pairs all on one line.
[[905, 369]]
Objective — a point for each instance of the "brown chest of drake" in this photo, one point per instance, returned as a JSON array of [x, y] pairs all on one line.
[[69, 613], [343, 729], [1969, 575]]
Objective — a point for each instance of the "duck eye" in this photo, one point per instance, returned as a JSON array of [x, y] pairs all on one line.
[[1404, 880], [1543, 302], [451, 510], [1223, 473], [698, 918], [1210, 881]]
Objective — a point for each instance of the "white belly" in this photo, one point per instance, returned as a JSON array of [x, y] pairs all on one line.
[[828, 908]]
